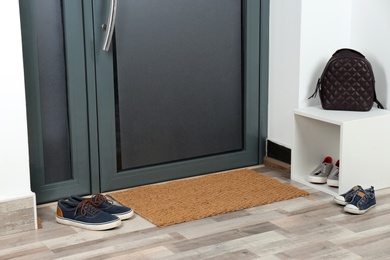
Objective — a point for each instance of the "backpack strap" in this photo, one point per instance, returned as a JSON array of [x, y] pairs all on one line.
[[317, 89], [379, 105]]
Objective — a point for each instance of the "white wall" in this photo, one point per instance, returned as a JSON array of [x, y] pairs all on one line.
[[14, 165], [325, 27], [303, 36], [371, 35], [284, 67]]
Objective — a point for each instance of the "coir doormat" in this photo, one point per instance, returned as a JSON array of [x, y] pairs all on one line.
[[208, 195]]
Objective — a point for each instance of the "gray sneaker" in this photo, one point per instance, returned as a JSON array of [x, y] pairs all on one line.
[[321, 172], [333, 178]]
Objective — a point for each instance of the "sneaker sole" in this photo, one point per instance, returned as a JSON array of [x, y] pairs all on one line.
[[125, 215], [339, 201], [333, 183], [89, 226], [317, 179], [355, 210]]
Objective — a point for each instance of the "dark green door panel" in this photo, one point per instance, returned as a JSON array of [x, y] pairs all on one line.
[[156, 91], [53, 49]]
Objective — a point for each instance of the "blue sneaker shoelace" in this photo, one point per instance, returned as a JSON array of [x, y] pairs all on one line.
[[86, 206]]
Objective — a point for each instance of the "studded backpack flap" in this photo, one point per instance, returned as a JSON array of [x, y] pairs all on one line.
[[347, 83]]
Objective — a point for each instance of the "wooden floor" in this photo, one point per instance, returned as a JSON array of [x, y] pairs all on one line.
[[311, 227]]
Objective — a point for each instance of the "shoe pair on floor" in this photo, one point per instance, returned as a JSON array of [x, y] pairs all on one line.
[[326, 172], [357, 200], [95, 213]]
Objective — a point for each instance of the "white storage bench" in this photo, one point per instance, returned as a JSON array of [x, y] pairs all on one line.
[[361, 140]]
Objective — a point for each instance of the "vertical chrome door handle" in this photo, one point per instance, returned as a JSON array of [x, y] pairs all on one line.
[[109, 26]]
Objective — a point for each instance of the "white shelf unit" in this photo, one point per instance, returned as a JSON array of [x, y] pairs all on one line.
[[360, 140]]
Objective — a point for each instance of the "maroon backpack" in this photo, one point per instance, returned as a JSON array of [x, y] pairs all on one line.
[[347, 83]]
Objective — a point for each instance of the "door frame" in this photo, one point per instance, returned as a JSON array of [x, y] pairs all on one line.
[[256, 21], [263, 81]]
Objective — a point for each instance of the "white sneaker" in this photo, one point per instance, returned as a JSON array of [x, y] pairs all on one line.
[[321, 172]]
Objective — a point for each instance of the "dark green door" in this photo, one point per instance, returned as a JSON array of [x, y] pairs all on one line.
[[178, 89], [175, 95]]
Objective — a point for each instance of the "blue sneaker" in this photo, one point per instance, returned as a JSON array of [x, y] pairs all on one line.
[[347, 197], [101, 202], [85, 215], [362, 202]]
